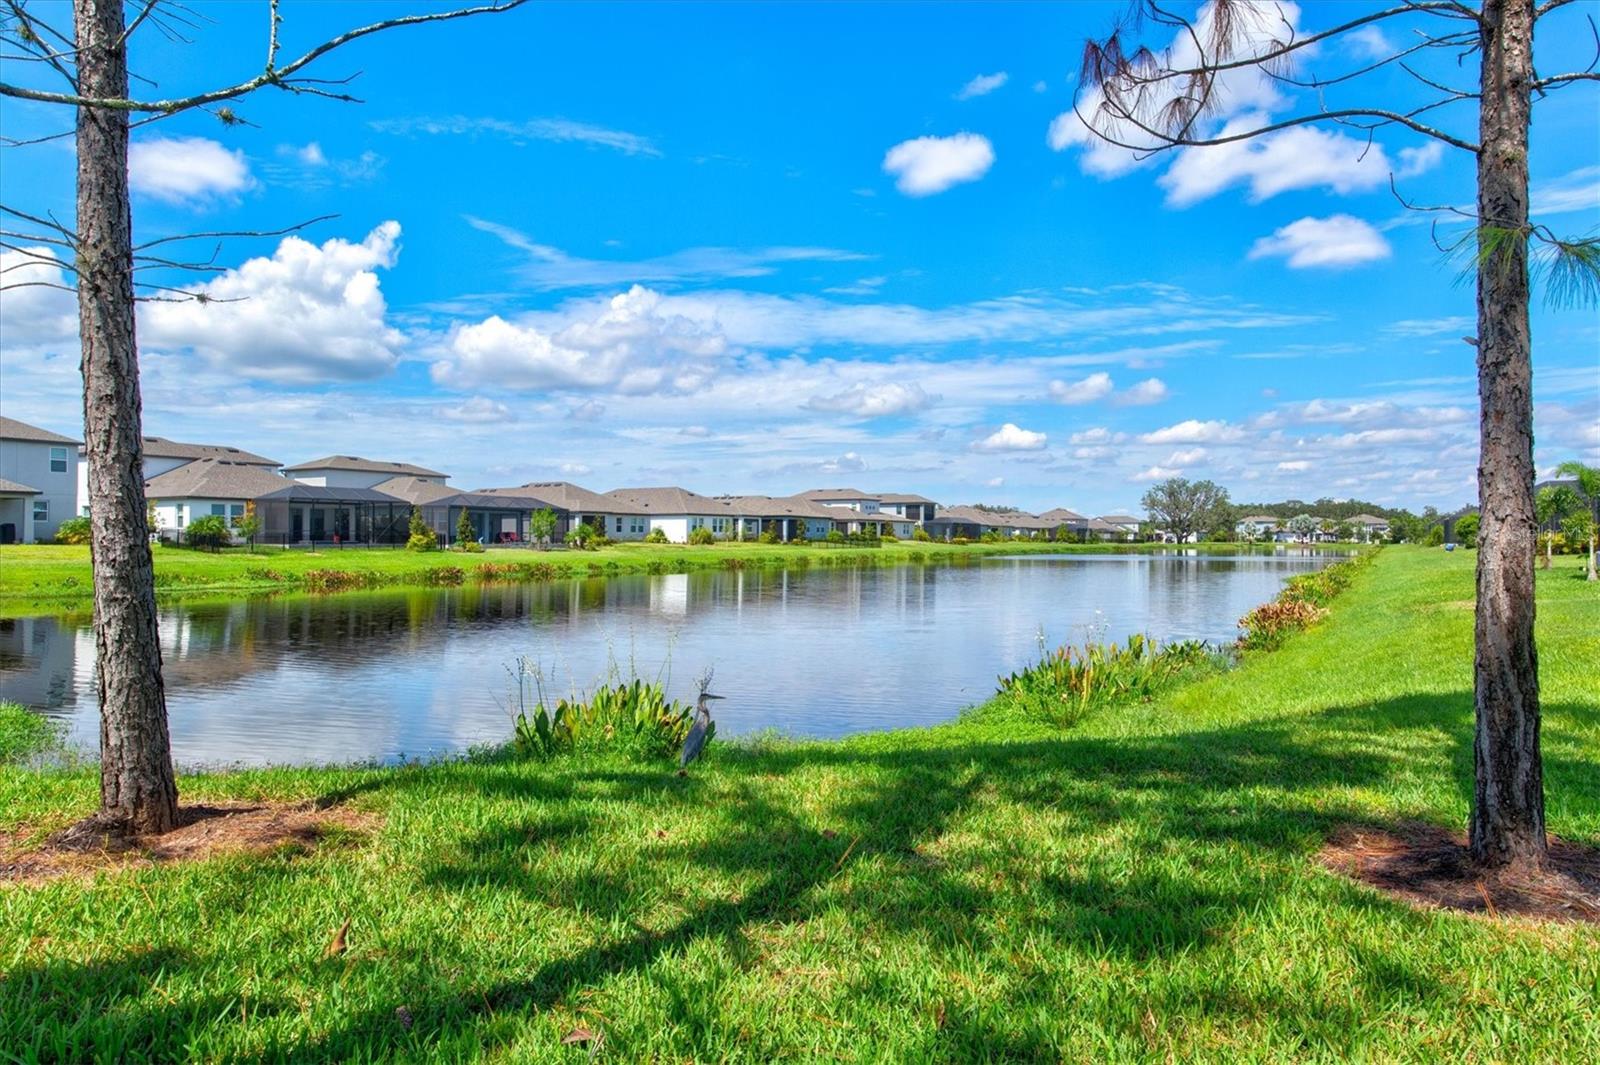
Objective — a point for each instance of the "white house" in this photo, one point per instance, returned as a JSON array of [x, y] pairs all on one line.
[[677, 512], [894, 512], [162, 456], [352, 471], [38, 481], [790, 517], [1071, 520], [1256, 526], [1370, 527], [205, 487]]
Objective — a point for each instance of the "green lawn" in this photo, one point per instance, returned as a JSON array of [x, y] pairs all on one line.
[[45, 578], [1144, 886]]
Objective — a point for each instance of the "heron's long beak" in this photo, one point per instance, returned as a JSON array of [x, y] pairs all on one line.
[[708, 695]]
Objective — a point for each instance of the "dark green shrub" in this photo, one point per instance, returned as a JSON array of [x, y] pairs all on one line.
[[656, 536], [920, 535], [420, 536], [702, 537], [73, 531], [210, 532]]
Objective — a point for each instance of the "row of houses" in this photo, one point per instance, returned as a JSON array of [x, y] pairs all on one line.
[[351, 499], [1367, 527]]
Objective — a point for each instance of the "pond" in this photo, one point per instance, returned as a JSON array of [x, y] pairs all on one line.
[[813, 652]]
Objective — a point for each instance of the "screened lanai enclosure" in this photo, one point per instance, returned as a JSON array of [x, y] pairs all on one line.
[[306, 513], [495, 518]]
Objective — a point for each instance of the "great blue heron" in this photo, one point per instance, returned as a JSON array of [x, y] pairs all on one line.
[[695, 742]]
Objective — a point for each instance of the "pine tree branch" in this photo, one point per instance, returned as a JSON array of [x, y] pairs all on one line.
[[279, 77]]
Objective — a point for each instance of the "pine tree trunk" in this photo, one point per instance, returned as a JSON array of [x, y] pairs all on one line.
[[1507, 826], [137, 790]]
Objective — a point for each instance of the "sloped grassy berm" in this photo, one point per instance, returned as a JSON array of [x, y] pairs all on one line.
[[1144, 884]]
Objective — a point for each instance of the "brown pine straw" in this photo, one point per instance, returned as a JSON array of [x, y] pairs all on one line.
[[1428, 866]]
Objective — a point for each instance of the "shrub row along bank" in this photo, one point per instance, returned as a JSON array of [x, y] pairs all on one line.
[[1070, 682], [1302, 603]]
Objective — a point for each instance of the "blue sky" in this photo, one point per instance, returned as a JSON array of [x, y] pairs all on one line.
[[767, 248]]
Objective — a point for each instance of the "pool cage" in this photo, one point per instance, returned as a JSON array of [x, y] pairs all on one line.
[[311, 514]]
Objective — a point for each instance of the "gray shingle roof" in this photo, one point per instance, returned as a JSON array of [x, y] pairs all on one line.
[[159, 447], [783, 507], [670, 500], [1119, 519], [361, 465], [11, 429], [215, 479], [414, 490], [1062, 514], [15, 489], [564, 495], [838, 494]]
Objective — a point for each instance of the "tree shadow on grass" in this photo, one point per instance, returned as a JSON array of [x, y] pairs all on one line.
[[912, 841]]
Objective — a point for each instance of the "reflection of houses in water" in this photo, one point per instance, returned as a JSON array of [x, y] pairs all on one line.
[[44, 661], [49, 662]]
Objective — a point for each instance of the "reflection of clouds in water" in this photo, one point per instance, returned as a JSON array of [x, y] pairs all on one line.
[[820, 651]]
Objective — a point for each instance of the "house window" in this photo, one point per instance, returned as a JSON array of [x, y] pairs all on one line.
[[719, 525], [58, 460], [41, 510], [219, 509], [695, 523], [636, 525], [236, 511], [619, 525]]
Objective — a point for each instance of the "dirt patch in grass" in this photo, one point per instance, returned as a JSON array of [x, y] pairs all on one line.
[[204, 831], [1426, 865]]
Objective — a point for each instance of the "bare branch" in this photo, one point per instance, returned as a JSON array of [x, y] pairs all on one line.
[[280, 77], [48, 223], [1548, 6], [30, 39], [1184, 141], [223, 234], [1426, 42], [1562, 79], [1287, 48], [36, 284]]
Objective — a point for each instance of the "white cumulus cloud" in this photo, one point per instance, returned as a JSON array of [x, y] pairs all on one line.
[[1150, 390], [308, 313], [1194, 431], [1011, 437], [186, 169], [1336, 241], [982, 85], [928, 165], [1073, 393], [629, 343]]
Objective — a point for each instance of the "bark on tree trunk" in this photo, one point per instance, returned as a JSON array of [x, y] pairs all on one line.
[[1507, 826], [137, 790]]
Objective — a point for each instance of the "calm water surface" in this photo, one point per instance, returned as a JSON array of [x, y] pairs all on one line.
[[816, 652]]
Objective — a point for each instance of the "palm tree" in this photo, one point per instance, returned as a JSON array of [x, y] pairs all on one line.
[[1588, 478], [1552, 504]]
